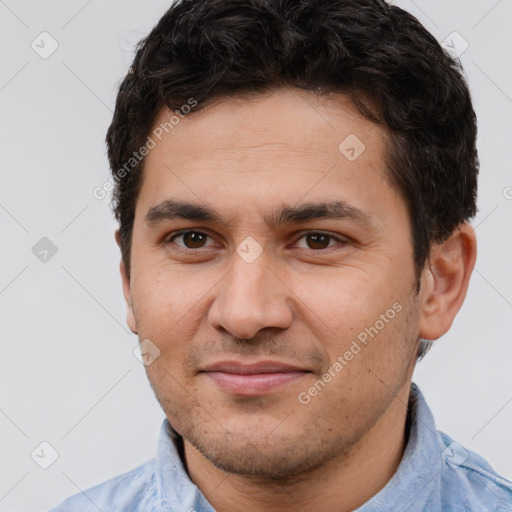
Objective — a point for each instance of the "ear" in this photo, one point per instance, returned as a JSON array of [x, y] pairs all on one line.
[[445, 281], [130, 317]]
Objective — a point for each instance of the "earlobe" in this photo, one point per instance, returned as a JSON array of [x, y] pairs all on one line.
[[125, 278], [445, 281]]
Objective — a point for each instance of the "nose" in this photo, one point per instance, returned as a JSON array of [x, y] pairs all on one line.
[[252, 297]]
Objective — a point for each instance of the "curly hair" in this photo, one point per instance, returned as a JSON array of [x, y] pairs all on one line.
[[394, 70]]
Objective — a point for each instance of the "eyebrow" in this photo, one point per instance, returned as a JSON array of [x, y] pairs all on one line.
[[173, 209]]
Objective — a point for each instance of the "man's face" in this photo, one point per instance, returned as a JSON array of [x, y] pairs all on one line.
[[252, 309]]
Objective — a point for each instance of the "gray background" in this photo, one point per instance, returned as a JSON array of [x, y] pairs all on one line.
[[68, 373]]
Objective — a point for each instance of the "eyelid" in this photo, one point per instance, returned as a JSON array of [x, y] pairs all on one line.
[[335, 237], [169, 239]]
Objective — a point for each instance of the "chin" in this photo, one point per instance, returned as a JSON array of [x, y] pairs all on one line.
[[263, 453], [244, 457]]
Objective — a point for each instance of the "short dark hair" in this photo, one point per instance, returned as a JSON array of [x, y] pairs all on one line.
[[394, 70]]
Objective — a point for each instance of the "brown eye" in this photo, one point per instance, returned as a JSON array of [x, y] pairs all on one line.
[[191, 239], [318, 240]]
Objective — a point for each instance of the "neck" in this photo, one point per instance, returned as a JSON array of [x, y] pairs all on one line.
[[343, 484]]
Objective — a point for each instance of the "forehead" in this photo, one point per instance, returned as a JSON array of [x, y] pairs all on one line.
[[249, 150], [301, 120]]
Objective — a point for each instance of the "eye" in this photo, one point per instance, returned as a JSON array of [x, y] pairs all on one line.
[[190, 239], [317, 240], [313, 240]]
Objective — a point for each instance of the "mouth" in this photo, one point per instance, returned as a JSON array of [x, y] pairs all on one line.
[[254, 379]]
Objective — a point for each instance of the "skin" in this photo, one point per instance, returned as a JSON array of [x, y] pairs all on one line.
[[302, 301]]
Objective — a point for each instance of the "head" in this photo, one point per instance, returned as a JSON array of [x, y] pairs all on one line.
[[320, 157]]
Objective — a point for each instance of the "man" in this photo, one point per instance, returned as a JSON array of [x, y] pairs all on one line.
[[293, 185]]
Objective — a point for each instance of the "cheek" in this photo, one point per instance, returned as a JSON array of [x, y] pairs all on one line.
[[352, 311], [341, 302], [169, 308], [164, 296]]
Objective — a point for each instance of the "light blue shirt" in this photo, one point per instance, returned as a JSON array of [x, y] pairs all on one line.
[[436, 474]]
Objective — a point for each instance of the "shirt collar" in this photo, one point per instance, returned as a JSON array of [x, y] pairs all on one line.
[[177, 491], [420, 464]]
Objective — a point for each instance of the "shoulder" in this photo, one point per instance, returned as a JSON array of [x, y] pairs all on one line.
[[135, 490], [470, 479]]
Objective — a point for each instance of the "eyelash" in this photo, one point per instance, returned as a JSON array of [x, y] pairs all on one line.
[[170, 239]]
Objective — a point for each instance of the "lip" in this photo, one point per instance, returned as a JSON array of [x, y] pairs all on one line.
[[253, 379]]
